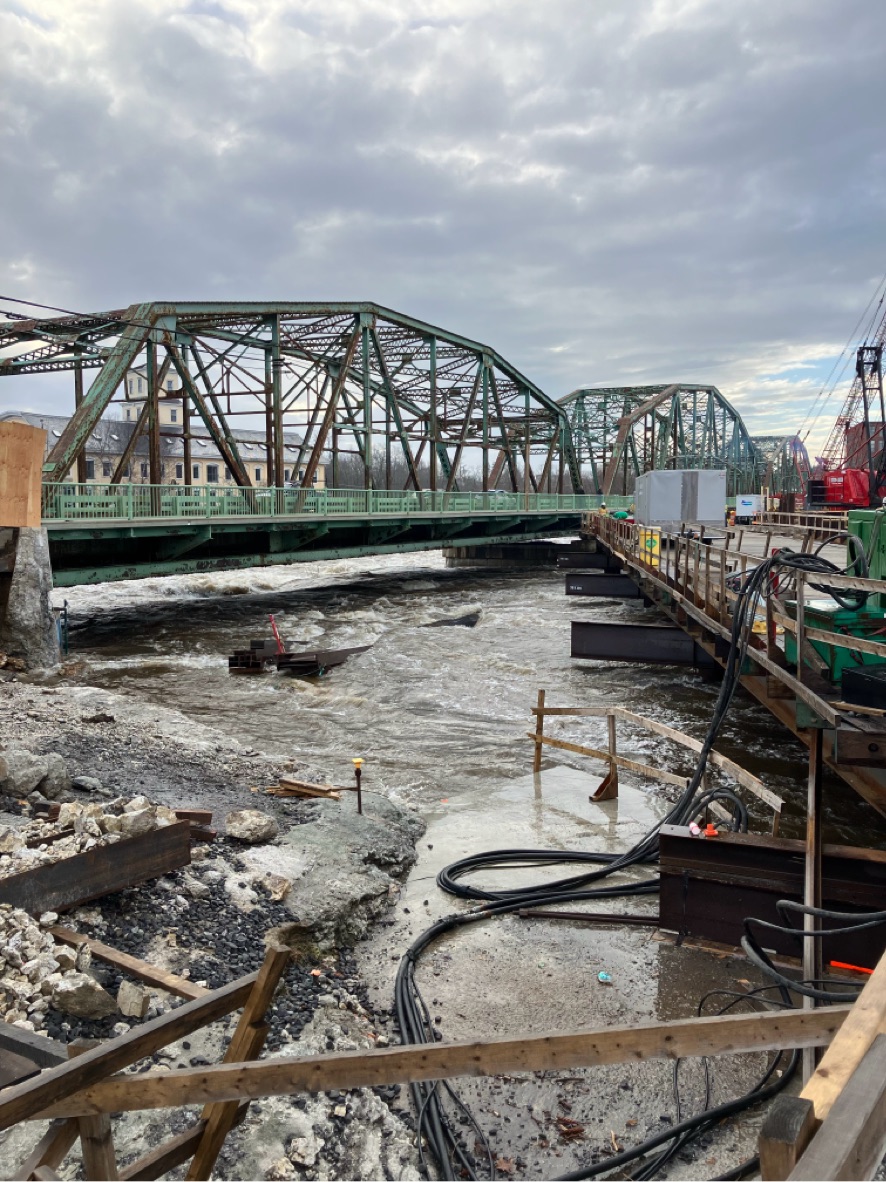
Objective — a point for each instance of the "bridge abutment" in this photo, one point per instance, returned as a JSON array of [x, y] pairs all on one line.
[[28, 630]]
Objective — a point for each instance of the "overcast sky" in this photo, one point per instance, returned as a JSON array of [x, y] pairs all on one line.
[[607, 191]]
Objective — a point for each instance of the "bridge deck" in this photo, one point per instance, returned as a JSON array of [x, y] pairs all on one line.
[[103, 533]]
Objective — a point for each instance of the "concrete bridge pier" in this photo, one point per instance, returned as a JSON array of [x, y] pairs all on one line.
[[28, 631]]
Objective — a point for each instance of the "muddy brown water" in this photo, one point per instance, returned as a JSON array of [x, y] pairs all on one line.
[[433, 711], [440, 717]]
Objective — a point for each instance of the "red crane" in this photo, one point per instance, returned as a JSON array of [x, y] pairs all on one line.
[[853, 465]]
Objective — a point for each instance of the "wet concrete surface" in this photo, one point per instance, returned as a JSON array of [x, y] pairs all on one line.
[[511, 976]]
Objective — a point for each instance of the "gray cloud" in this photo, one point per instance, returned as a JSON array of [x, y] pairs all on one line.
[[630, 190]]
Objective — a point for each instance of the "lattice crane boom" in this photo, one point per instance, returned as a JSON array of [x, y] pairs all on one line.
[[834, 453]]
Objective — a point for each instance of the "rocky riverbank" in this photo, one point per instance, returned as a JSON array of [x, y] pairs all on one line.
[[329, 871]]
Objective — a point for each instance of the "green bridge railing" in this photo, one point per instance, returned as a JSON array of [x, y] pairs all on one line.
[[132, 502]]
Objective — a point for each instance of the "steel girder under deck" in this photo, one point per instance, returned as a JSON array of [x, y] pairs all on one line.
[[381, 399], [103, 551]]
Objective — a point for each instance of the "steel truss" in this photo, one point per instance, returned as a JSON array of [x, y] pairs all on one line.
[[356, 381], [621, 431], [783, 464]]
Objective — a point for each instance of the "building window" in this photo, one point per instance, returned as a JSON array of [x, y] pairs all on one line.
[[169, 385], [195, 471], [212, 473], [227, 473], [173, 416], [139, 385], [258, 474], [179, 471], [129, 413], [144, 471], [90, 469], [106, 468], [286, 474]]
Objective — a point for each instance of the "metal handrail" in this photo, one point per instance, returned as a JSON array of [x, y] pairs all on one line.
[[128, 502]]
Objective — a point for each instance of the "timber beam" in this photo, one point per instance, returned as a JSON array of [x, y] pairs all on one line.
[[285, 1075]]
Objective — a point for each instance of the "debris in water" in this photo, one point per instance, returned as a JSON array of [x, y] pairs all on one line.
[[468, 620]]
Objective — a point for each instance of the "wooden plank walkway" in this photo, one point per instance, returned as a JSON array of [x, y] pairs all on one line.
[[690, 584]]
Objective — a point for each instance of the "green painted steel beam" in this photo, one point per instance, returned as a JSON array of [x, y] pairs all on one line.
[[82, 423], [175, 547], [148, 570]]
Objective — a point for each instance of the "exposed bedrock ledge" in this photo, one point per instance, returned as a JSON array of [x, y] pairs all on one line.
[[344, 868]]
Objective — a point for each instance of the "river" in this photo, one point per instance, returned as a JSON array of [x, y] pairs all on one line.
[[434, 711], [440, 716]]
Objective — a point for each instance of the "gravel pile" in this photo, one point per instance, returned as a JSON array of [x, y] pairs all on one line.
[[328, 872], [78, 828], [208, 923]]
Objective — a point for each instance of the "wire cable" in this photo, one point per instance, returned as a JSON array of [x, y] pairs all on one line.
[[452, 1157]]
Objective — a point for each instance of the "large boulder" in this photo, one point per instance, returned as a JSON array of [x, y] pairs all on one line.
[[24, 771], [57, 779], [82, 996], [251, 826]]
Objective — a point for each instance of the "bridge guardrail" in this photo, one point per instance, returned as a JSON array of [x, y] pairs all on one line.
[[129, 502]]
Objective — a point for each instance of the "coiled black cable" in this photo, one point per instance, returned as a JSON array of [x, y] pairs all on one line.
[[451, 1155], [857, 921]]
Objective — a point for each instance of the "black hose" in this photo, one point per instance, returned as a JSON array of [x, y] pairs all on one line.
[[453, 1159]]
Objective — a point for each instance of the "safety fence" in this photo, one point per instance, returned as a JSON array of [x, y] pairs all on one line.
[[128, 502]]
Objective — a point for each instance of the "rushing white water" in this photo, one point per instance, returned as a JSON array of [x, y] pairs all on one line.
[[431, 710]]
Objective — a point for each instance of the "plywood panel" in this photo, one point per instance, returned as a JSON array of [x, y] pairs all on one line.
[[22, 449]]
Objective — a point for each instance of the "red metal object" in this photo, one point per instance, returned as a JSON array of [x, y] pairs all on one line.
[[849, 487], [280, 646]]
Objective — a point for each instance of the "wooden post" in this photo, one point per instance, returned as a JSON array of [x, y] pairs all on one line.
[[608, 787], [695, 566], [539, 731], [248, 1040], [812, 883], [786, 1131], [852, 1140], [96, 1142], [801, 624], [724, 606]]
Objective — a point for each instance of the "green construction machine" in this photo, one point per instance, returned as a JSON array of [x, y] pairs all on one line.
[[860, 676]]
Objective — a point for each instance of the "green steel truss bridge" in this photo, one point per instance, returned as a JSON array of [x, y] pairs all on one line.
[[426, 438], [621, 431], [445, 441]]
